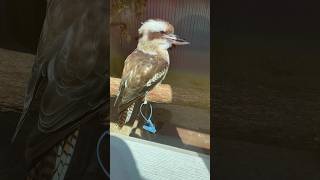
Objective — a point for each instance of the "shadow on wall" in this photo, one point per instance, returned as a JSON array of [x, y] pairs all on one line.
[[122, 163], [206, 161]]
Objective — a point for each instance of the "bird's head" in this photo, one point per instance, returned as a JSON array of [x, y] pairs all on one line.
[[158, 34]]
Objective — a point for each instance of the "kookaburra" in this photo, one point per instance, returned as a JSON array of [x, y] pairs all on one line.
[[146, 66], [68, 85]]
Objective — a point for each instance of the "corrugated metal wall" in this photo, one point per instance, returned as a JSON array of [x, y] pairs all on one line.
[[190, 18]]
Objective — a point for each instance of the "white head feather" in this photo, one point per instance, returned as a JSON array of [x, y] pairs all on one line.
[[152, 25], [154, 46]]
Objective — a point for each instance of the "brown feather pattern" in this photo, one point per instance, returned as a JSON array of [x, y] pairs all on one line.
[[54, 165], [138, 70]]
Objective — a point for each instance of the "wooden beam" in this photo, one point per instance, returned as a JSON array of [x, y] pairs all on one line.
[[165, 93], [160, 94], [15, 71]]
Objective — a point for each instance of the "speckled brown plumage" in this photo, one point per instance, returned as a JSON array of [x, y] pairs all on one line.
[[54, 165], [138, 70]]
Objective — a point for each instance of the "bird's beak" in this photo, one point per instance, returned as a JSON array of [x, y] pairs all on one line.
[[174, 39]]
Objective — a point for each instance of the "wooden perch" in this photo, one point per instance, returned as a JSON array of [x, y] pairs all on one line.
[[160, 94], [164, 93], [15, 71]]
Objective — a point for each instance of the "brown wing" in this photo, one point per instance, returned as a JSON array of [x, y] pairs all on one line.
[[77, 79], [140, 74], [69, 76]]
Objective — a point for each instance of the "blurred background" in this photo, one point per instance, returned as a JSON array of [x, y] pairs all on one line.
[[21, 23], [266, 89], [20, 27]]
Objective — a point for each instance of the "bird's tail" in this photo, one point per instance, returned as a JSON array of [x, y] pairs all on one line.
[[54, 165], [125, 115]]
